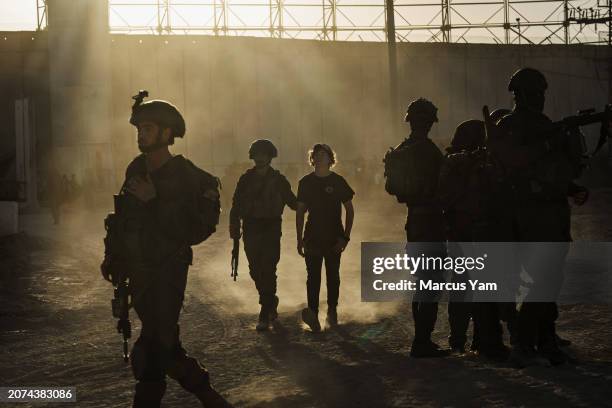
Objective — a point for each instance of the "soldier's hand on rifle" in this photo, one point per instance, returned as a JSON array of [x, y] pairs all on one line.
[[105, 269], [142, 188], [300, 247]]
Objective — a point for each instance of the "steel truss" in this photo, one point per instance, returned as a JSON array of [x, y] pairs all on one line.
[[493, 21]]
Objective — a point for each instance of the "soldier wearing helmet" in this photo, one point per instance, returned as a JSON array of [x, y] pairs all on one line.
[[531, 152], [167, 204], [412, 171], [257, 206], [421, 111]]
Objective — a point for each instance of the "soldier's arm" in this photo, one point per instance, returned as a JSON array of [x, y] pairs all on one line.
[[234, 216], [299, 226], [288, 197]]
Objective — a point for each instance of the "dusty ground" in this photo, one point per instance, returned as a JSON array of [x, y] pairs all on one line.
[[56, 329]]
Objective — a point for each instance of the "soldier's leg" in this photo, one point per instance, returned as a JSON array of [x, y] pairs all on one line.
[[509, 314], [147, 366], [459, 320], [425, 302], [270, 255], [184, 369], [459, 313], [491, 343], [193, 377], [252, 239]]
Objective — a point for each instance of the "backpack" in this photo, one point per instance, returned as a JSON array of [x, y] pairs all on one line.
[[207, 205], [410, 174]]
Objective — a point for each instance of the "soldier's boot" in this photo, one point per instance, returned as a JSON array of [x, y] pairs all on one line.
[[311, 318], [522, 357], [148, 394], [194, 378], [458, 320], [424, 315], [426, 349], [264, 319], [210, 398], [563, 342], [332, 316], [274, 309], [548, 346]]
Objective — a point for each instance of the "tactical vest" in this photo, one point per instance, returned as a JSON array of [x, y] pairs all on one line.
[[262, 197], [411, 171], [139, 231]]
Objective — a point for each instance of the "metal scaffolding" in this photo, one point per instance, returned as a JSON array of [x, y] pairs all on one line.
[[488, 21], [41, 14]]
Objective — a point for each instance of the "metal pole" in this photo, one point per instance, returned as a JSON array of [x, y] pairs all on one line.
[[446, 24], [507, 21], [565, 22], [392, 60]]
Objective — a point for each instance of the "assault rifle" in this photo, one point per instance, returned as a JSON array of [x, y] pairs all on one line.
[[235, 256], [120, 303]]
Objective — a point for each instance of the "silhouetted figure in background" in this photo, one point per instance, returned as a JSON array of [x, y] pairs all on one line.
[[467, 190], [412, 170], [55, 193], [258, 203], [530, 149]]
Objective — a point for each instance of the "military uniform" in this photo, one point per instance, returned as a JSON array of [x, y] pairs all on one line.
[[149, 240], [468, 192], [259, 201], [540, 165], [541, 213], [159, 235], [425, 222]]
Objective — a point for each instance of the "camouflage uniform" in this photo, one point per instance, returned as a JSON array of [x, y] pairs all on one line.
[[159, 235], [541, 213], [259, 201], [150, 242], [540, 166], [425, 222]]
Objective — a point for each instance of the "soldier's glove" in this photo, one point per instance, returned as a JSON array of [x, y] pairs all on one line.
[[234, 231], [105, 269]]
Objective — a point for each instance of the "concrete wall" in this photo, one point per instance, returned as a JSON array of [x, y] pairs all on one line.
[[233, 90]]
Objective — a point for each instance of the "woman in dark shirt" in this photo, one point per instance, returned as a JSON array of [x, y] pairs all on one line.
[[322, 194]]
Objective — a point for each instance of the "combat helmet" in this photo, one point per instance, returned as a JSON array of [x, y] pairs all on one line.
[[162, 113], [422, 110], [527, 79], [262, 146], [469, 135]]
